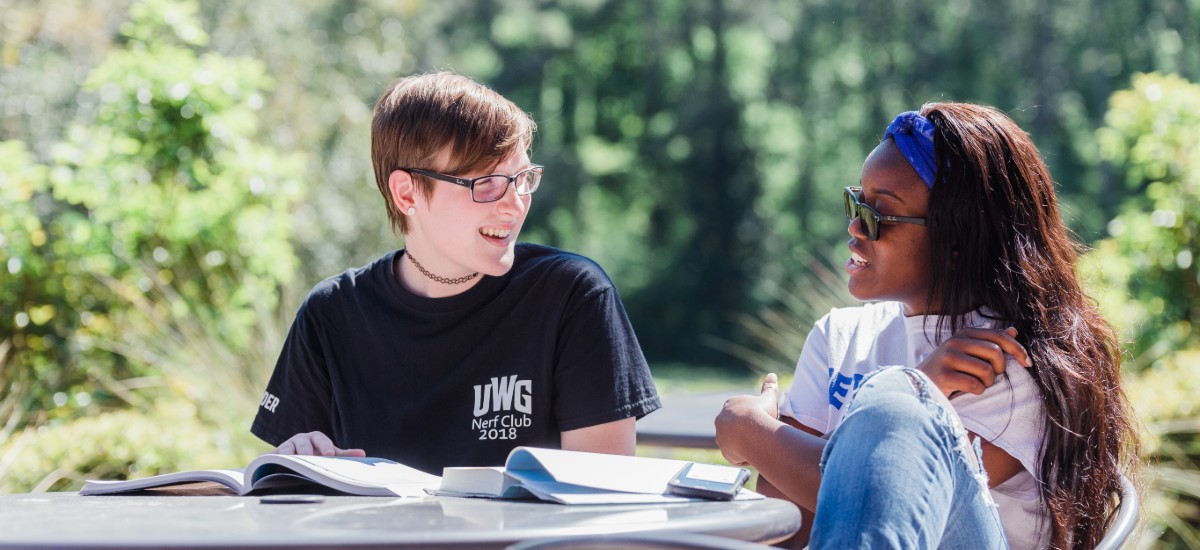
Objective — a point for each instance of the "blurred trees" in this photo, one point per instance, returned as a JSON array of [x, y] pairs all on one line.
[[696, 149], [143, 261], [1145, 277], [154, 158], [1147, 268]]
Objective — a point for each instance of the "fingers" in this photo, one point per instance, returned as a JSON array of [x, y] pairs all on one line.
[[993, 345], [963, 372], [770, 383], [987, 356], [322, 444], [315, 444], [303, 444], [1005, 339], [770, 389], [971, 360]]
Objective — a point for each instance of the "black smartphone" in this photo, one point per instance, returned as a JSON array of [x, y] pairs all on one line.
[[708, 481], [291, 499]]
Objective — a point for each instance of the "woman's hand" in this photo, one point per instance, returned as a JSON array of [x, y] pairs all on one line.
[[970, 360], [315, 444], [741, 413]]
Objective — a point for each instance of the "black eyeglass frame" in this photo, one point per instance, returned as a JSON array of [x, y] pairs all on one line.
[[870, 217], [469, 183]]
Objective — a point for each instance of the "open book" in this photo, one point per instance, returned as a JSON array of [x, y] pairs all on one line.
[[571, 477], [352, 475]]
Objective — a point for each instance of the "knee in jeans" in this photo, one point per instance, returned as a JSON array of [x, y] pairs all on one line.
[[968, 449], [894, 411]]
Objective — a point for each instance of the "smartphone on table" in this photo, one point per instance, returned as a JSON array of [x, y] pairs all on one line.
[[708, 481]]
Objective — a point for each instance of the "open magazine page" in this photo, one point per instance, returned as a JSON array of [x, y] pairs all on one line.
[[354, 475], [482, 481], [626, 474], [571, 477], [229, 478]]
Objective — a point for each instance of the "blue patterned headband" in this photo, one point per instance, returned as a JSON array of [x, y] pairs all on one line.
[[913, 134]]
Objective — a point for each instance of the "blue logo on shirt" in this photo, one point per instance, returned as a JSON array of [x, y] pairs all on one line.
[[841, 387]]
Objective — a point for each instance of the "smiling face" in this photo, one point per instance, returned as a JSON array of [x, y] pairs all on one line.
[[895, 267], [453, 236]]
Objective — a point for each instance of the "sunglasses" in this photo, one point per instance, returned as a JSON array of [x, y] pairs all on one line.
[[869, 217]]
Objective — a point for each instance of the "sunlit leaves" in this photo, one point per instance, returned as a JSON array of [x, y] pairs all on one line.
[[1147, 268], [160, 215]]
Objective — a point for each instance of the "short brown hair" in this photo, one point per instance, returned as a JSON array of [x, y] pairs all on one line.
[[421, 119]]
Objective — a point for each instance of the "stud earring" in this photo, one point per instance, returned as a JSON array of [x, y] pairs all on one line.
[[411, 211]]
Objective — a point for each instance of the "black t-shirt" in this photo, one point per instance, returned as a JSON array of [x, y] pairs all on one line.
[[458, 381]]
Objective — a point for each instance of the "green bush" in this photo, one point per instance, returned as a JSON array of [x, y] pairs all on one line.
[[1145, 277], [122, 444], [1145, 273], [146, 258]]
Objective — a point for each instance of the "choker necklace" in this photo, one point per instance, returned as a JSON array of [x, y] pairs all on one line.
[[443, 280]]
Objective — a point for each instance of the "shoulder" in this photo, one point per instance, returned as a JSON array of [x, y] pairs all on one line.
[[559, 267], [871, 316], [347, 285]]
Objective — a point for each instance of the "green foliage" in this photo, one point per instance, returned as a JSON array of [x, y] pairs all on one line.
[[123, 444], [1165, 397], [22, 235], [146, 257], [778, 331], [1145, 274], [1145, 279], [695, 148]]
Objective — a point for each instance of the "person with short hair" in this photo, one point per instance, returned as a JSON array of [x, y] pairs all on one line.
[[976, 402], [464, 344]]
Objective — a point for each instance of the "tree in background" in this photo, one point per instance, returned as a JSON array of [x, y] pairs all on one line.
[[1148, 268], [1146, 279], [696, 149], [144, 262]]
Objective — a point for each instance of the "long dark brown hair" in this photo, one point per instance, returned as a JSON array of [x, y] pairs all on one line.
[[997, 240]]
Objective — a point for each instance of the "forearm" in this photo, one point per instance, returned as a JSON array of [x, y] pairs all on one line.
[[618, 437], [799, 540], [786, 455], [790, 459]]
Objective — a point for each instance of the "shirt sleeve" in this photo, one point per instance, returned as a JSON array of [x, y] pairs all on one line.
[[297, 399], [1009, 415], [600, 372], [807, 399]]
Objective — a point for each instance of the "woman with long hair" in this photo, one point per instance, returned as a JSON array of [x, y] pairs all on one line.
[[976, 401]]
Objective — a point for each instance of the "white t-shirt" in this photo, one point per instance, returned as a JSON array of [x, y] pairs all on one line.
[[849, 343]]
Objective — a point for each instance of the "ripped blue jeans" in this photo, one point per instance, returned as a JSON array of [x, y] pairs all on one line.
[[900, 472]]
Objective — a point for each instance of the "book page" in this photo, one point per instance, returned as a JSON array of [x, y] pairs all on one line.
[[228, 478], [484, 481], [628, 474], [354, 475]]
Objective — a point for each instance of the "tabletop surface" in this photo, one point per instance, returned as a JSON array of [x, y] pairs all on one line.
[[68, 520]]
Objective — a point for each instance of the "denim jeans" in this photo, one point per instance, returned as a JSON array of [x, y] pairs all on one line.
[[899, 472]]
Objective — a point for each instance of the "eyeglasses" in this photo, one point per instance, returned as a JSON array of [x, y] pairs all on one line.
[[492, 187], [870, 217]]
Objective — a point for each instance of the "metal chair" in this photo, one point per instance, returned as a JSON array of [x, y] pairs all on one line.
[[662, 540], [1127, 518]]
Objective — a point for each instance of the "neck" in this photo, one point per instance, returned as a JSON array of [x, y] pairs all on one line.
[[418, 283]]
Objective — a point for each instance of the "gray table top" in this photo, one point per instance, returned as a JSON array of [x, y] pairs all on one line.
[[51, 520]]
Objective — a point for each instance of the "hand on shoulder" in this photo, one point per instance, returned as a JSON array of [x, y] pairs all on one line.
[[970, 360]]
